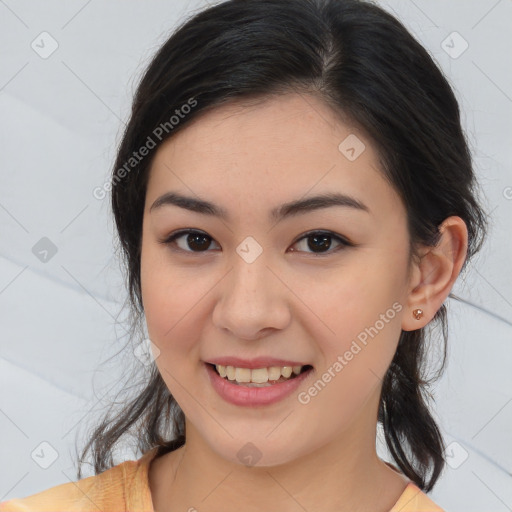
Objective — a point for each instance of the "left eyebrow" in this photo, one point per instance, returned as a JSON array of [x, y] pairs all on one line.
[[297, 207]]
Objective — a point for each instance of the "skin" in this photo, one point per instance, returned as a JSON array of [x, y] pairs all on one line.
[[299, 305]]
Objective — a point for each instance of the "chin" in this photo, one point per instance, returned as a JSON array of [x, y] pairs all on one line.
[[254, 452]]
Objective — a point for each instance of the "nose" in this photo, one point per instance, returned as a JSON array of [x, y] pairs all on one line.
[[252, 300]]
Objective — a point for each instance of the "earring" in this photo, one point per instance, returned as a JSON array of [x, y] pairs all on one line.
[[418, 313]]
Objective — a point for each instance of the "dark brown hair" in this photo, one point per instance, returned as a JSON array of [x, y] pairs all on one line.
[[363, 63]]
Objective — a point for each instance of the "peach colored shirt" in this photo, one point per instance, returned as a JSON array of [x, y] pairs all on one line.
[[125, 487]]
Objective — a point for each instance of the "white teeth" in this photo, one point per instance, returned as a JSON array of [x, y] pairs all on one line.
[[257, 375], [286, 371], [274, 373]]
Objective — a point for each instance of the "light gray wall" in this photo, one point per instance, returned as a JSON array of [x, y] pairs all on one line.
[[60, 119]]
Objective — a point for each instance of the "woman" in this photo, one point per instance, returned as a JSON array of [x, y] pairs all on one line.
[[295, 200]]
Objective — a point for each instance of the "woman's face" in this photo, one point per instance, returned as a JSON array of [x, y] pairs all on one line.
[[254, 286]]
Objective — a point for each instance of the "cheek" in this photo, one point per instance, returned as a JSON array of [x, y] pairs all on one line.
[[174, 299], [357, 355], [360, 313], [163, 294]]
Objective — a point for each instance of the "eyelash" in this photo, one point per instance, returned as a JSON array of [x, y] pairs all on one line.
[[178, 234]]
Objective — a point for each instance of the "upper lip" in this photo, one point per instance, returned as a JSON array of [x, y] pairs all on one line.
[[258, 362]]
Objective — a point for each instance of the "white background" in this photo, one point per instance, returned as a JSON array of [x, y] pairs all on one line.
[[61, 119]]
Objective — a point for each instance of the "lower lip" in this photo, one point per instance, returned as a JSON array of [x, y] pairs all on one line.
[[252, 396]]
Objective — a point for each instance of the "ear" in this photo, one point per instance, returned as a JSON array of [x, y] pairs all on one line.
[[433, 277]]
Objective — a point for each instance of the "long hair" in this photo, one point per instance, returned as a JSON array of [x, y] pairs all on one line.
[[364, 64]]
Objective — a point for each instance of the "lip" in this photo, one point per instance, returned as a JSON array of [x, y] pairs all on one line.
[[253, 396], [258, 362]]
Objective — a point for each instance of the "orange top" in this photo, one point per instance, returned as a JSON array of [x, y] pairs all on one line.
[[125, 487]]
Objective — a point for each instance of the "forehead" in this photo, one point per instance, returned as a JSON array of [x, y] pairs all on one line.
[[268, 152]]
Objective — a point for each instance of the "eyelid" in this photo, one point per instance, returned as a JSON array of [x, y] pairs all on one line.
[[343, 241], [168, 240]]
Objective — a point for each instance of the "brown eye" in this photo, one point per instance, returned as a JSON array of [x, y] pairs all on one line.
[[193, 241], [319, 242]]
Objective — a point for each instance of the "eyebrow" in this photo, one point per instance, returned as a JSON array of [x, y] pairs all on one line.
[[300, 206]]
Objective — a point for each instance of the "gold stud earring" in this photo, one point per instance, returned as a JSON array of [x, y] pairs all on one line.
[[418, 313]]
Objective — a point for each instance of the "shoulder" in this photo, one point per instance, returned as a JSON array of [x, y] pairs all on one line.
[[96, 493], [413, 499], [122, 487]]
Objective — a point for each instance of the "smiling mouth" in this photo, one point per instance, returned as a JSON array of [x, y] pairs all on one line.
[[259, 377]]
